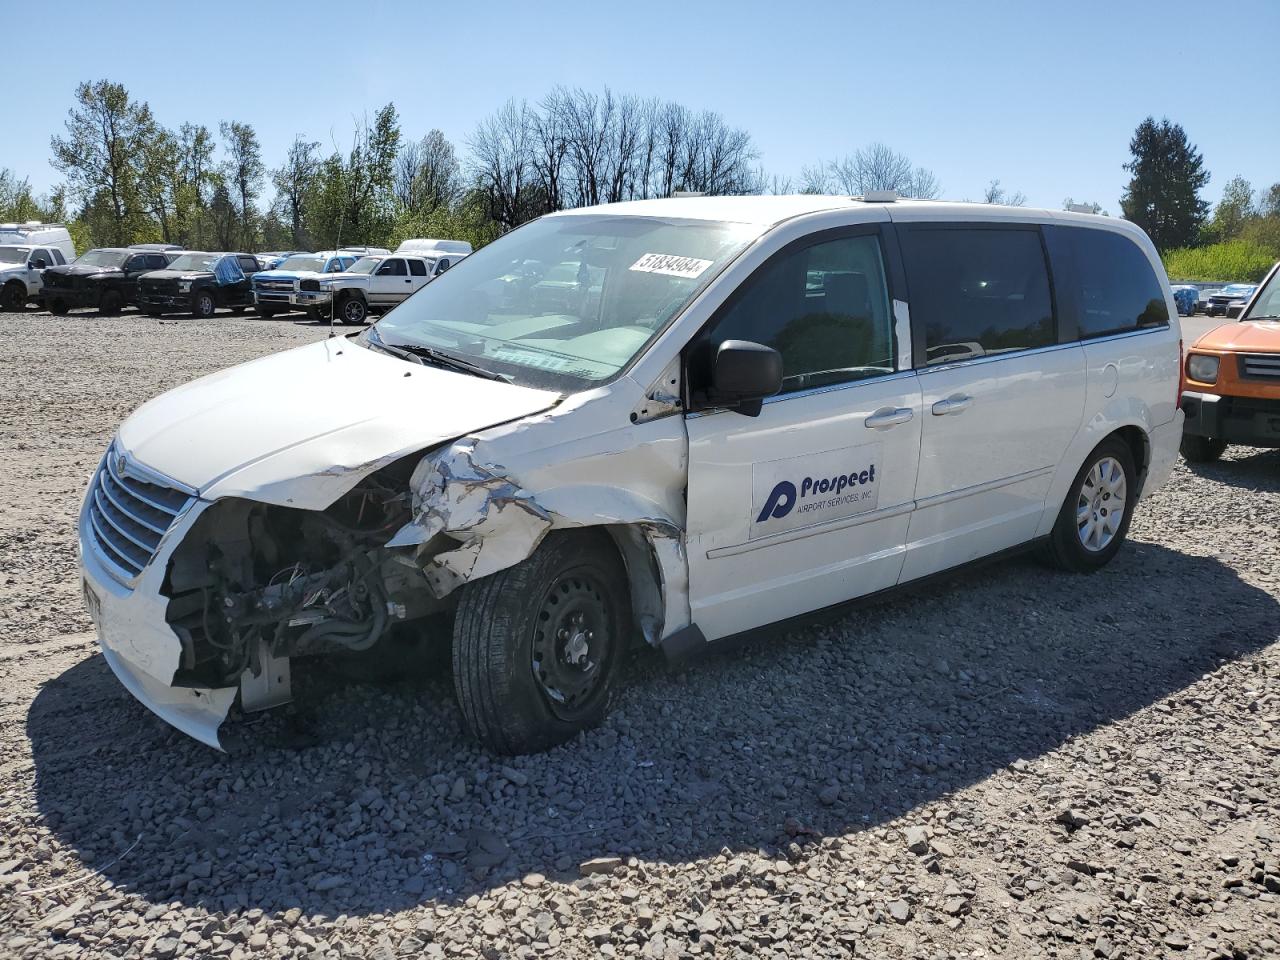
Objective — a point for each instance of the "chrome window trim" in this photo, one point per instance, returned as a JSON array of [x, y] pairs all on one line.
[[902, 331], [812, 391], [995, 358]]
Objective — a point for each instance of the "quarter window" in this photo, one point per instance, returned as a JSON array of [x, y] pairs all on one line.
[[824, 307], [1117, 289], [417, 268], [978, 292]]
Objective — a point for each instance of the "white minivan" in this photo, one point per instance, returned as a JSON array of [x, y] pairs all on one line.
[[734, 411]]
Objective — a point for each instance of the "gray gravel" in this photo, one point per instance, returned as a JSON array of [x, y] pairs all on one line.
[[1015, 763]]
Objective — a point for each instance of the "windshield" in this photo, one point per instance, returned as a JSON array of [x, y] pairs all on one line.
[[313, 264], [364, 265], [103, 258], [565, 302], [1237, 290], [1267, 303], [14, 254], [193, 261]]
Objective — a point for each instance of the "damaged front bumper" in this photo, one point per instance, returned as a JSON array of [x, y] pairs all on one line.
[[137, 641]]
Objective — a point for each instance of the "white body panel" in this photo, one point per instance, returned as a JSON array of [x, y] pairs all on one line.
[[986, 467], [743, 573]]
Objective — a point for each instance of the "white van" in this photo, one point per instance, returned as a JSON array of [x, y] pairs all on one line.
[[33, 233], [733, 411], [426, 247]]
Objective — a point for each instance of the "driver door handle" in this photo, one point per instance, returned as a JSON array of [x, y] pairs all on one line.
[[956, 403], [888, 417]]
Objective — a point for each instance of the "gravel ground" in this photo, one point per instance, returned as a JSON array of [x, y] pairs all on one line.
[[1014, 763]]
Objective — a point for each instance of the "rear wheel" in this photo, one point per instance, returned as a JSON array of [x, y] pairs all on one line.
[[353, 311], [537, 647], [1197, 449], [203, 306], [1094, 519]]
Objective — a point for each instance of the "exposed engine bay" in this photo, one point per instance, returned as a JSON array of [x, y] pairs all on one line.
[[253, 582]]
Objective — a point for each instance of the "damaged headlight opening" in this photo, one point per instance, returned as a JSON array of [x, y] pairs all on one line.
[[253, 578]]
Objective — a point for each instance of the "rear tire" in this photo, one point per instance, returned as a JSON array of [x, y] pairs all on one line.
[[1196, 449], [537, 647], [1087, 534]]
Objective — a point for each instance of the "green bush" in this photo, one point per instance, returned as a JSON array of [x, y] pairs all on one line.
[[1235, 261]]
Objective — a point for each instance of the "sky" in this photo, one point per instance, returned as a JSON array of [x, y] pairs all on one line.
[[1044, 97]]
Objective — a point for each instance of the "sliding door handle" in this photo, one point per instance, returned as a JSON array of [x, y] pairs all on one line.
[[888, 417], [956, 403]]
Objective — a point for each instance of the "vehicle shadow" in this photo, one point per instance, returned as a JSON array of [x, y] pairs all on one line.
[[1248, 468], [369, 798]]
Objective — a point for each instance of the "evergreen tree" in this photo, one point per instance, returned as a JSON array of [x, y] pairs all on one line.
[[1163, 196]]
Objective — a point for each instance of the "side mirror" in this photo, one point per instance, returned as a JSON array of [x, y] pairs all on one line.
[[39, 263], [743, 374]]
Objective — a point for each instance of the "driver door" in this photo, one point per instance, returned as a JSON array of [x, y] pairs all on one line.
[[808, 504], [390, 283]]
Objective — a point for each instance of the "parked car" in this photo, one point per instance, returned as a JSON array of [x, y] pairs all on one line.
[[1231, 393], [36, 234], [747, 425], [199, 283], [278, 290], [273, 258], [1185, 297], [1230, 300], [364, 251], [375, 284], [20, 267], [105, 277]]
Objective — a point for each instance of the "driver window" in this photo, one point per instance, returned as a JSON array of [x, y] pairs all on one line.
[[136, 263], [392, 268], [824, 307]]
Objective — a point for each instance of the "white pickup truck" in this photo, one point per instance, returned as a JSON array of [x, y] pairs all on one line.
[[376, 284], [25, 250]]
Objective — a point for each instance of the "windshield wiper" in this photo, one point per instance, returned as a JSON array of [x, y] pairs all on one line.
[[424, 354]]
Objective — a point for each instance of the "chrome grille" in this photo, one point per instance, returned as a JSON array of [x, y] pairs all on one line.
[[286, 285], [128, 516], [1260, 365]]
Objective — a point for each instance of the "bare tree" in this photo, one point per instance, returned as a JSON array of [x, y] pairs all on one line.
[[997, 194], [293, 181], [874, 167], [501, 163], [408, 168], [243, 169]]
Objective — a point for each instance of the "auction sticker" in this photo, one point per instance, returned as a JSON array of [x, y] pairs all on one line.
[[671, 266], [814, 488]]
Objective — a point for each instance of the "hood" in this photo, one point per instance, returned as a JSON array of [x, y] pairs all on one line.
[[6, 267], [82, 269], [288, 274], [302, 427], [177, 274], [1262, 336]]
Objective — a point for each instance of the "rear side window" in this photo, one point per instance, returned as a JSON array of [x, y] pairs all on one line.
[[57, 256], [978, 292], [249, 264], [824, 307], [417, 268], [1116, 289]]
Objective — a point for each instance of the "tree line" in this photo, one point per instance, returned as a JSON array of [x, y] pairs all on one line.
[[129, 178]]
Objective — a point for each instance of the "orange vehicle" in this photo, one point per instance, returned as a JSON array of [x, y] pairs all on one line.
[[1231, 389]]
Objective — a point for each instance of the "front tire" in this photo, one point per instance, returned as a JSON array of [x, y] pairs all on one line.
[[110, 303], [266, 313], [13, 296], [1196, 449], [58, 306], [1094, 519], [353, 311], [203, 306], [537, 647]]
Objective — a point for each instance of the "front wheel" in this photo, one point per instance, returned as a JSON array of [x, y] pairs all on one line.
[[1095, 517], [353, 311], [1195, 449], [110, 303], [13, 296], [57, 306], [537, 647], [203, 305], [266, 313]]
